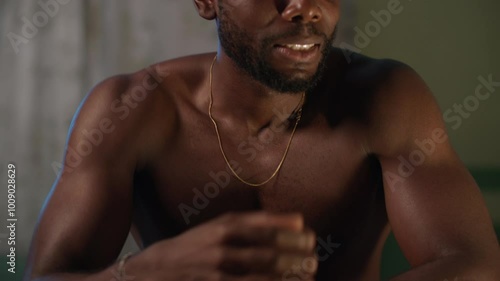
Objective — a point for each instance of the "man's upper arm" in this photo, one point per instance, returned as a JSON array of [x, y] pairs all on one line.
[[434, 205], [87, 215]]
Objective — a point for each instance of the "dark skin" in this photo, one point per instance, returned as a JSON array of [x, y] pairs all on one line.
[[339, 183]]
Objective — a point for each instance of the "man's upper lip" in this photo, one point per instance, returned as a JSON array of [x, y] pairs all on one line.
[[299, 41]]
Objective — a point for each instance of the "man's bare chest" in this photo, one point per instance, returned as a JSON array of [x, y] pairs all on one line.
[[326, 176]]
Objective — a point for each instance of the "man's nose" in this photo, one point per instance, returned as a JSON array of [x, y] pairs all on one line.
[[305, 11]]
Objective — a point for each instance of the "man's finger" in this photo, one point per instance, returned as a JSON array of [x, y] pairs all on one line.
[[297, 265], [294, 221], [296, 241], [285, 240], [249, 261]]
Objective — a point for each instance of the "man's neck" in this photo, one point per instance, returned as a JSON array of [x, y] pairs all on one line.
[[240, 99]]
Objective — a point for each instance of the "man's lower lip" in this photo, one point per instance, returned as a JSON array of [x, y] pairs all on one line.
[[309, 55]]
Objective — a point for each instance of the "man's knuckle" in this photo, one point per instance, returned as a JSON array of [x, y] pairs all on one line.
[[220, 257], [224, 232]]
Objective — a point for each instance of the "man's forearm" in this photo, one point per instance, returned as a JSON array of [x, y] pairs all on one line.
[[455, 268], [70, 277], [112, 273]]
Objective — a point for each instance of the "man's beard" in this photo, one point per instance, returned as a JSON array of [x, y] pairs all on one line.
[[236, 43]]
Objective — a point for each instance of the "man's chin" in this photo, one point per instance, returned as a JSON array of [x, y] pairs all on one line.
[[289, 85], [296, 78], [295, 81]]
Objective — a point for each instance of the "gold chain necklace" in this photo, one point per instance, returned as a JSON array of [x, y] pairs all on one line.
[[298, 116]]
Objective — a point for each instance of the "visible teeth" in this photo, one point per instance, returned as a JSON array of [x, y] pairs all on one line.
[[299, 47]]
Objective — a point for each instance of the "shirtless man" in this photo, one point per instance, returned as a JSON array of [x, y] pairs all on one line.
[[367, 153]]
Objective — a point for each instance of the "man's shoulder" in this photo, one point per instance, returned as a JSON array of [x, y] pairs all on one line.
[[151, 86], [143, 106], [370, 86], [392, 98], [379, 79], [365, 71]]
